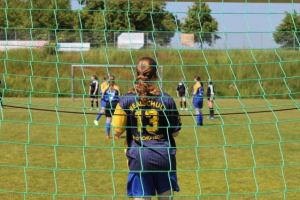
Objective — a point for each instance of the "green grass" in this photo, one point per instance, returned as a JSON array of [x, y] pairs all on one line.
[[226, 157]]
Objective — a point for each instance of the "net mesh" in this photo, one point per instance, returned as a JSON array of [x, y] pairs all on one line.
[[50, 148]]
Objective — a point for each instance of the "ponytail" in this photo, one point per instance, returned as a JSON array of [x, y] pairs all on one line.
[[111, 81], [146, 72]]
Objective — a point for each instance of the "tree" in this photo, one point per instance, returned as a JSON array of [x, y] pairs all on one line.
[[41, 19], [116, 17], [285, 31], [200, 22]]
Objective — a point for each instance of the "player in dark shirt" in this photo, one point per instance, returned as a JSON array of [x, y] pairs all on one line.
[[182, 93], [210, 98], [93, 91], [151, 120]]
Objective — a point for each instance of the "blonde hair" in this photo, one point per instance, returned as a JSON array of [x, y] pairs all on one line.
[[145, 71]]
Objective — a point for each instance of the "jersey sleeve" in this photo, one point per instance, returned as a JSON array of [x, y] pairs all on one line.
[[119, 120], [104, 87], [195, 89], [211, 89], [173, 117]]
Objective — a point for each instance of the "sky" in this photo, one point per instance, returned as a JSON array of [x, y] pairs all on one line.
[[241, 25]]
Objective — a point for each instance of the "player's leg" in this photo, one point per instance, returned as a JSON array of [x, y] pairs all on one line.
[[92, 102], [165, 196], [97, 102], [198, 104], [109, 111], [102, 111], [166, 183], [184, 103], [196, 107], [140, 186], [142, 198], [180, 100], [200, 112], [209, 106], [211, 110], [108, 123]]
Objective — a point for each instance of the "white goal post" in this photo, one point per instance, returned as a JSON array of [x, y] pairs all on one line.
[[73, 88]]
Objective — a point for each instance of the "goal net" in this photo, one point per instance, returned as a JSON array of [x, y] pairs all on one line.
[[50, 146]]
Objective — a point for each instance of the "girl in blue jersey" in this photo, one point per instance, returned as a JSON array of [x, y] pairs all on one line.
[[197, 99], [111, 96], [103, 86], [151, 120]]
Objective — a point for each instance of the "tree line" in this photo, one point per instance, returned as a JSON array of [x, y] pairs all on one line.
[[101, 21]]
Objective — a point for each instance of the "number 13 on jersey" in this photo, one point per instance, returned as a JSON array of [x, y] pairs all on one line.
[[150, 118]]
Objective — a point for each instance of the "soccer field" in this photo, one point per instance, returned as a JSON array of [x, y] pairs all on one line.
[[250, 150]]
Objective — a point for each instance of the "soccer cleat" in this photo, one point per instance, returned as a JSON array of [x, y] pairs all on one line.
[[208, 117], [117, 137], [107, 137], [91, 108], [212, 118], [186, 109], [96, 122], [200, 124], [181, 108]]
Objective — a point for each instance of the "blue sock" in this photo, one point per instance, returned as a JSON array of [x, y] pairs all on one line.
[[201, 117], [99, 115], [108, 127], [198, 118]]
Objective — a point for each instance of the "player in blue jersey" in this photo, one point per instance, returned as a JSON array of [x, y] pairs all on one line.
[[103, 86], [197, 99], [111, 96], [151, 120]]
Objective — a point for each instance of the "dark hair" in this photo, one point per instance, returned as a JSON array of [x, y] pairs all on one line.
[[105, 77], [95, 77], [209, 82], [145, 71], [198, 78]]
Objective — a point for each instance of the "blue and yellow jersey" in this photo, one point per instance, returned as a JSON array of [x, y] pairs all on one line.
[[103, 86], [149, 127], [111, 94], [198, 90]]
